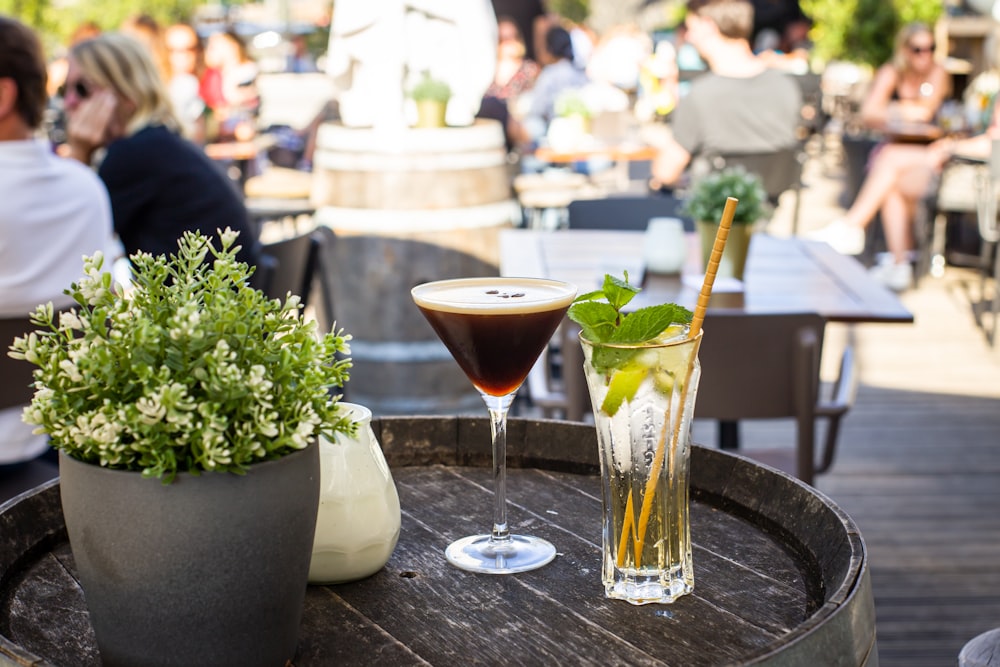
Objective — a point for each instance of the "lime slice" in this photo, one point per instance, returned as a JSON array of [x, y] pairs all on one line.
[[622, 387]]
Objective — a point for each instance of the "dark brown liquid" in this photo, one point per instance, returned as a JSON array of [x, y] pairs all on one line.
[[496, 351]]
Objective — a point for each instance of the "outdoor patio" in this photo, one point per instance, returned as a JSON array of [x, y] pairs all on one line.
[[918, 465]]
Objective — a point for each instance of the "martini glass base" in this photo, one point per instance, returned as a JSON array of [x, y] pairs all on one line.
[[518, 554]]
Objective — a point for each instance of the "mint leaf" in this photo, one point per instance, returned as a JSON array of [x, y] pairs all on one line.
[[590, 296], [600, 315], [648, 323], [618, 292], [598, 320]]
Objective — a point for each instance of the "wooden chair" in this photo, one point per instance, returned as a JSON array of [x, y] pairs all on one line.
[[623, 212], [767, 367], [780, 171], [954, 197]]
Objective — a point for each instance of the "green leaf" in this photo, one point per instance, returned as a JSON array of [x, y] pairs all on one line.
[[590, 296], [598, 320], [646, 324], [619, 292]]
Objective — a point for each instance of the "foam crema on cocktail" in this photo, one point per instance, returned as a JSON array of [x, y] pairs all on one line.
[[496, 328]]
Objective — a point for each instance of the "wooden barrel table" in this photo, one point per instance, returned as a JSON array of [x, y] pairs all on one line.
[[781, 573]]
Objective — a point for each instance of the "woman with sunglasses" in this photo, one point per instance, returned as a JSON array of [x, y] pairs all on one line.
[[912, 86], [160, 184]]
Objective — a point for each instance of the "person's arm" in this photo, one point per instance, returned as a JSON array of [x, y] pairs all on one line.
[[875, 108], [669, 165]]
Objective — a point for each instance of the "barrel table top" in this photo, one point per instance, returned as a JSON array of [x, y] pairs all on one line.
[[781, 574]]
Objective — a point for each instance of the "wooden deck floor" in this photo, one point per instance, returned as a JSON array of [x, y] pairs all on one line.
[[918, 466], [918, 469]]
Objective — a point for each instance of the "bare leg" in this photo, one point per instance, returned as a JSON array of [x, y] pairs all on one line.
[[897, 212], [885, 176]]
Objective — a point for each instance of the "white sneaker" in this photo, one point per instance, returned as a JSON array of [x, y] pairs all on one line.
[[842, 237], [897, 277]]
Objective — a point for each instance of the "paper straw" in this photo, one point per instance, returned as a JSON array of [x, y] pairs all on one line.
[[713, 265], [696, 321]]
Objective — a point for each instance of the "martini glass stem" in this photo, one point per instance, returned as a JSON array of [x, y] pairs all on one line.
[[498, 407]]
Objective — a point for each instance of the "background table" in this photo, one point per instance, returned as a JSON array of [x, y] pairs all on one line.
[[781, 574], [790, 275]]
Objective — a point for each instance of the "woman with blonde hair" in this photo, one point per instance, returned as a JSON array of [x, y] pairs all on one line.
[[912, 86], [161, 185]]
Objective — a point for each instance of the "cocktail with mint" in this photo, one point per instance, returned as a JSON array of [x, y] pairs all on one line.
[[642, 372]]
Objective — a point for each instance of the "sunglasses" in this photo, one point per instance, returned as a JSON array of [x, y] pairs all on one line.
[[81, 89], [921, 49]]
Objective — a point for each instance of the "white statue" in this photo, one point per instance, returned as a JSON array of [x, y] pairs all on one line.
[[380, 48]]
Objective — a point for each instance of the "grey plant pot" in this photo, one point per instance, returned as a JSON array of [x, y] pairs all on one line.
[[209, 570]]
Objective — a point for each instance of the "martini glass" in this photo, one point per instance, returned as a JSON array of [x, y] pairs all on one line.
[[496, 328]]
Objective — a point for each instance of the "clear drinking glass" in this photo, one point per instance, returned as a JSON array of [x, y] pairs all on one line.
[[643, 399], [496, 328]]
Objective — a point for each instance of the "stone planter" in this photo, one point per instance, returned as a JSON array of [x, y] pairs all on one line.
[[734, 257], [208, 570]]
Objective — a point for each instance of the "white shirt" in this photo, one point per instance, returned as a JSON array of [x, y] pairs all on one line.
[[53, 211]]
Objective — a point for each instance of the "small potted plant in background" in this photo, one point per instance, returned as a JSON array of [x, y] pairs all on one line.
[[704, 203], [431, 97], [186, 411]]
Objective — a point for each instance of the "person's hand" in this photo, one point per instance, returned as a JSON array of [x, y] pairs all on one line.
[[94, 123], [940, 151]]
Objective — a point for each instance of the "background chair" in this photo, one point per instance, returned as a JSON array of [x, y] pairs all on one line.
[[767, 367], [624, 212], [987, 190], [15, 391], [780, 171], [287, 266]]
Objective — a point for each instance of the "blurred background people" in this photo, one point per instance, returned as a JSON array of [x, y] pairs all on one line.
[[739, 106], [558, 75], [54, 211], [187, 62], [515, 72], [299, 60], [780, 27], [912, 86], [514, 78], [232, 92], [532, 22], [148, 32], [55, 114], [160, 184]]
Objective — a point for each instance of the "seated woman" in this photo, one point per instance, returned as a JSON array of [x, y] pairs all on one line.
[[160, 184], [912, 86], [909, 89]]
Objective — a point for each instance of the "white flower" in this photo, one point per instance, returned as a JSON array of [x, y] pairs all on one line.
[[70, 370]]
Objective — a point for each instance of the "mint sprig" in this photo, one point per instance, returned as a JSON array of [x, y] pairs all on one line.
[[600, 315]]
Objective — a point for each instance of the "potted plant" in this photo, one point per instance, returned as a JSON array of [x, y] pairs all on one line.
[[704, 203], [431, 97], [185, 410]]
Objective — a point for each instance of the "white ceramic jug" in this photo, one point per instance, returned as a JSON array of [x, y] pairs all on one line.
[[358, 521], [665, 247]]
